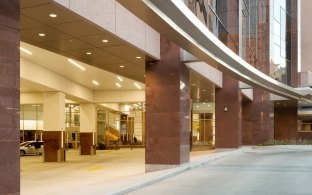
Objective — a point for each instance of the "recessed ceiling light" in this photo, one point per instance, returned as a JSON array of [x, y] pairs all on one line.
[[41, 34], [76, 64], [119, 78], [88, 53], [138, 57], [95, 82], [193, 84], [26, 51], [104, 40], [117, 84], [204, 89], [121, 66], [137, 85], [53, 15]]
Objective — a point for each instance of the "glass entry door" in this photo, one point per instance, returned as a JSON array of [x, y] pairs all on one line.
[[203, 125], [202, 128]]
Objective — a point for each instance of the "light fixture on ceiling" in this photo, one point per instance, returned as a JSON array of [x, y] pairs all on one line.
[[193, 84], [121, 66], [88, 53], [41, 34], [117, 84], [104, 40], [138, 57], [204, 89], [26, 51], [119, 78], [137, 85], [53, 15], [76, 64], [95, 82]]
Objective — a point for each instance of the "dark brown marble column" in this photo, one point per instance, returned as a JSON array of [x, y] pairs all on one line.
[[228, 114], [167, 110], [257, 125], [228, 98], [54, 146], [86, 143], [286, 120], [257, 115], [9, 97]]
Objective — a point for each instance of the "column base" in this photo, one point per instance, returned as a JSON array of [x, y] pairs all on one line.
[[86, 144], [54, 151], [158, 167]]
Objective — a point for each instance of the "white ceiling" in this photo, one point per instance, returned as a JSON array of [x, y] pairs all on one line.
[[60, 65]]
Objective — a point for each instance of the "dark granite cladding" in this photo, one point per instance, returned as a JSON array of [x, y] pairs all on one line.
[[286, 121], [53, 150], [228, 114], [228, 123], [86, 143], [257, 125], [9, 97], [167, 108]]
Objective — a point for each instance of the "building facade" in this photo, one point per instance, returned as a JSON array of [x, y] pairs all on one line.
[[212, 74]]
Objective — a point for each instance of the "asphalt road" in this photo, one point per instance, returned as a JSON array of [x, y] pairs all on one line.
[[262, 170]]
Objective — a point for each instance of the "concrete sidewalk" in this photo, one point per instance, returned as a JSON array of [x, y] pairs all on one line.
[[108, 172]]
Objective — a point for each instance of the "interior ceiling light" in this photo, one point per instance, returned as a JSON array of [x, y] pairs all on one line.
[[119, 78], [104, 40], [76, 64], [121, 66], [193, 84], [137, 85], [117, 84], [95, 82], [53, 15], [88, 53], [26, 51], [41, 34], [204, 89], [138, 57]]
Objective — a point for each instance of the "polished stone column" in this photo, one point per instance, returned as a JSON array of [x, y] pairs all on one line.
[[54, 126], [257, 126], [228, 98], [228, 114], [87, 128], [167, 110], [9, 97], [286, 120]]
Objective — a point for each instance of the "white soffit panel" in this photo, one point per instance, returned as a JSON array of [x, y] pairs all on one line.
[[207, 71]]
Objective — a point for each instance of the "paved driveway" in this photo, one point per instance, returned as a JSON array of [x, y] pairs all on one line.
[[261, 170]]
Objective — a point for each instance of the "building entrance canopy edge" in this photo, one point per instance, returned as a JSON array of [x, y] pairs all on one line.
[[204, 45]]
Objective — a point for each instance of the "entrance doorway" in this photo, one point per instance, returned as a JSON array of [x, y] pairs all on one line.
[[203, 126]]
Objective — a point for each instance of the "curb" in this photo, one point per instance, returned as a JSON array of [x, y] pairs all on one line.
[[175, 171]]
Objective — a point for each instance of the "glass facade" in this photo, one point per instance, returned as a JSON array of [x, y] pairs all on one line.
[[249, 34], [280, 40], [210, 13], [31, 121]]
